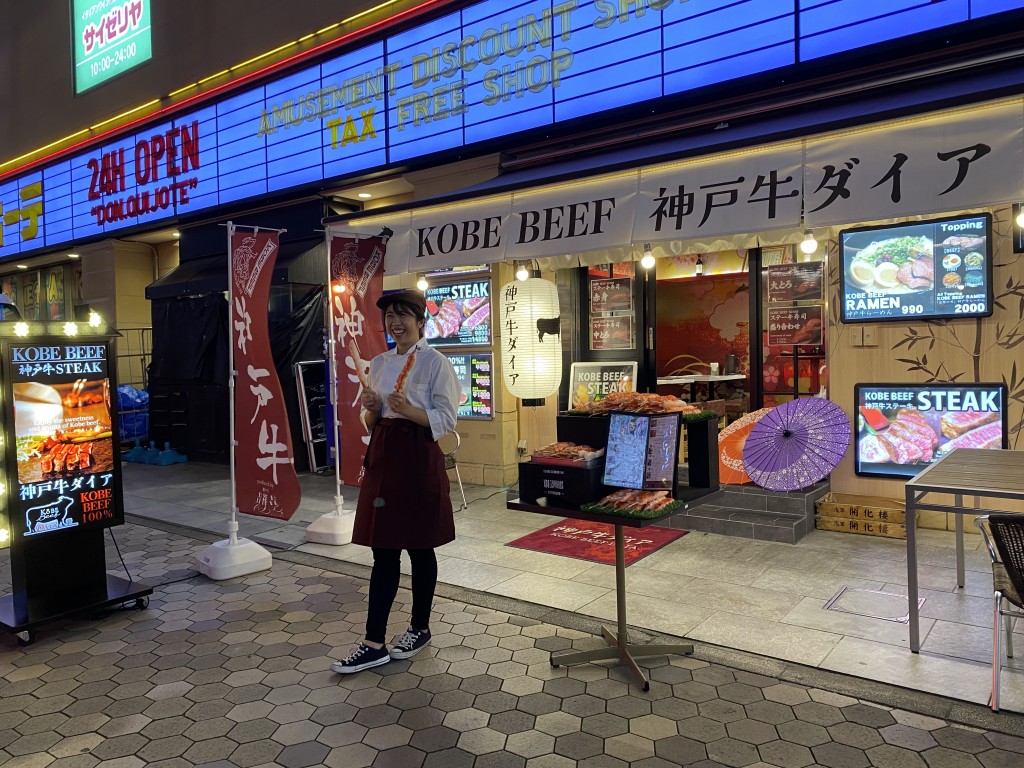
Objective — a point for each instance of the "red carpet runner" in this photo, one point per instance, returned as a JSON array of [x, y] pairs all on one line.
[[596, 541]]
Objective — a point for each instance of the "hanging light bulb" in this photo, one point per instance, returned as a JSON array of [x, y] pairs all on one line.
[[698, 267], [522, 273], [1020, 219], [95, 321], [648, 260], [338, 287], [422, 283], [809, 244]]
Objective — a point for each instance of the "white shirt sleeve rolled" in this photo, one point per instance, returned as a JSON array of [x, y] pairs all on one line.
[[445, 398]]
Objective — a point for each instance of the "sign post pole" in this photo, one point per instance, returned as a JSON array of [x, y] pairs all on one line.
[[233, 556], [334, 527], [355, 272]]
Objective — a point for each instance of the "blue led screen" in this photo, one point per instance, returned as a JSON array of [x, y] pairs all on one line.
[[490, 70]]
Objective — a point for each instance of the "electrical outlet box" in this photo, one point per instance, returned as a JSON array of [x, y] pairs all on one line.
[[870, 337], [857, 336], [522, 446]]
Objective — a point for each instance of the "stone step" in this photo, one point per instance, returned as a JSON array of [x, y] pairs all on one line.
[[745, 523], [753, 513]]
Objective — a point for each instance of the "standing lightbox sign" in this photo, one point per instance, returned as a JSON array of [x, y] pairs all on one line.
[[109, 38], [531, 348], [57, 397], [61, 482]]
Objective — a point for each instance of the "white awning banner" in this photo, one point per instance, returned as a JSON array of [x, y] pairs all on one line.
[[963, 160], [747, 193], [960, 160]]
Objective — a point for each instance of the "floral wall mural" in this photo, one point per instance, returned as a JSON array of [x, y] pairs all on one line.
[[702, 321]]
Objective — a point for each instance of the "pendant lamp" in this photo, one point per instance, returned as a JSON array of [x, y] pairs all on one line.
[[531, 348]]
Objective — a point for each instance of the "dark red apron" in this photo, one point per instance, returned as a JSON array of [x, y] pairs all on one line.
[[405, 499]]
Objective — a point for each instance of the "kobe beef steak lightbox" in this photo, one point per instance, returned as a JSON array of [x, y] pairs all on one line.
[[63, 475], [902, 428]]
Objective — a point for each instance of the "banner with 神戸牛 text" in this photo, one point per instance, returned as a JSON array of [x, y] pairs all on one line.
[[357, 281], [264, 477]]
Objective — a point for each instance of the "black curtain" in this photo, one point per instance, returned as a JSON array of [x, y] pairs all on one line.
[[296, 337], [190, 339]]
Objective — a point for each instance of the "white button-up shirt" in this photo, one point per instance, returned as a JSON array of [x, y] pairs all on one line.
[[431, 384]]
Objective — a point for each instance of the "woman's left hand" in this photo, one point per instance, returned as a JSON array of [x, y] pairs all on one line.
[[398, 402]]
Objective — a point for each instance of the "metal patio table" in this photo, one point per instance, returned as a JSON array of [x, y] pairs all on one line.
[[962, 472]]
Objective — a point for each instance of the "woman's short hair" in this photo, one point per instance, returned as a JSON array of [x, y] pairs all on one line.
[[403, 308]]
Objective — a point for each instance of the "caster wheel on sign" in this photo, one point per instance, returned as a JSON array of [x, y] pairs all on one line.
[[647, 687], [25, 638], [554, 665], [141, 603]]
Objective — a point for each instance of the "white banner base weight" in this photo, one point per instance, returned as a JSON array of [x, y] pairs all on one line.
[[229, 559], [333, 528]]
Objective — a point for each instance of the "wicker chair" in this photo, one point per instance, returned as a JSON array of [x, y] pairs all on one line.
[[1004, 538]]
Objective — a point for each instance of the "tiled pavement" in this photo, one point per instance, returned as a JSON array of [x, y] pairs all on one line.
[[236, 673]]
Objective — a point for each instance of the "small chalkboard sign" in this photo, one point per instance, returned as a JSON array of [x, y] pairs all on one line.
[[311, 379]]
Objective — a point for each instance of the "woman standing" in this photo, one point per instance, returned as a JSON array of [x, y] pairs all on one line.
[[404, 499]]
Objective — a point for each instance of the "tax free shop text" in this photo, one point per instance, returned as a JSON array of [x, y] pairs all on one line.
[[441, 76]]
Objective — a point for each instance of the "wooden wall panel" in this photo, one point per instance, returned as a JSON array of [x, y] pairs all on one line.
[[974, 350]]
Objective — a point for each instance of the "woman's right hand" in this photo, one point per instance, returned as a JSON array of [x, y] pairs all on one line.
[[370, 400]]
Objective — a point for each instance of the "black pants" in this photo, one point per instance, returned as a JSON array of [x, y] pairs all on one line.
[[384, 587]]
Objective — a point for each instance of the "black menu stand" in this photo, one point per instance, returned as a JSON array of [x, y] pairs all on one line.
[[618, 641], [62, 575], [55, 521]]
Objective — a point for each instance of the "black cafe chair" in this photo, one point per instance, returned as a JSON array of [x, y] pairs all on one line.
[[1004, 539]]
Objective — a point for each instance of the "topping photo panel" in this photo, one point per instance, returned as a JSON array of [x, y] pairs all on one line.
[[938, 268]]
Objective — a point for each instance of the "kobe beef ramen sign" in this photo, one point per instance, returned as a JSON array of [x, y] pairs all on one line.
[[61, 450]]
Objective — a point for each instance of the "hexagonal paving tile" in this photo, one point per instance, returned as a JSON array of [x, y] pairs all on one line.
[[236, 675]]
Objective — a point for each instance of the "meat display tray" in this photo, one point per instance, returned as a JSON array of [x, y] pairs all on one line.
[[593, 459]]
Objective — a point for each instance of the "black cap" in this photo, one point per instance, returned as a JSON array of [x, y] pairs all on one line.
[[415, 298]]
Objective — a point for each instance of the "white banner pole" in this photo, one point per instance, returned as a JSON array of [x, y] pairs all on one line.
[[333, 527], [232, 373], [233, 557]]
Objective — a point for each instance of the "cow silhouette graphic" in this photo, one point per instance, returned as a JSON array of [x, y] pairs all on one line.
[[49, 517], [549, 326]]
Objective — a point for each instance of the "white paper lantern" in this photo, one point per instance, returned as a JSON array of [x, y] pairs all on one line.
[[531, 348]]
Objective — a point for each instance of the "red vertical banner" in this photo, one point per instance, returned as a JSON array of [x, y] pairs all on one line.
[[357, 281], [264, 473]]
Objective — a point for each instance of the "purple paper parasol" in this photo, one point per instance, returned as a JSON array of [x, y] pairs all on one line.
[[796, 444]]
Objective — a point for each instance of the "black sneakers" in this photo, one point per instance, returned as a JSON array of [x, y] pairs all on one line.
[[409, 643], [363, 657]]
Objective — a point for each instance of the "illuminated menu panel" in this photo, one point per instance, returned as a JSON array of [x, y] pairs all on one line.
[[484, 72], [62, 441], [473, 370], [936, 268], [642, 451], [902, 428]]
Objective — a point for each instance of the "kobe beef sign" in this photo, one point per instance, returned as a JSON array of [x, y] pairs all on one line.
[[61, 436]]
